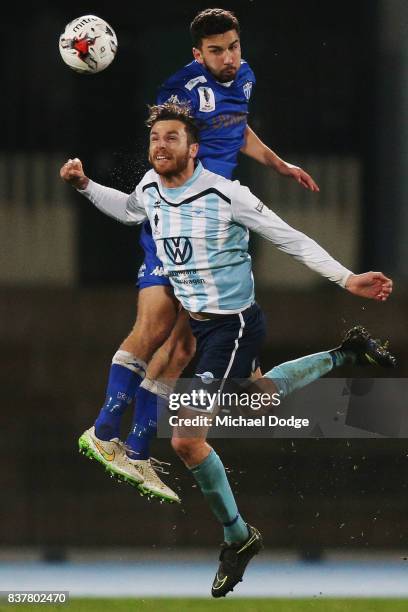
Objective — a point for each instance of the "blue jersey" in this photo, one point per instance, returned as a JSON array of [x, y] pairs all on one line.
[[221, 110]]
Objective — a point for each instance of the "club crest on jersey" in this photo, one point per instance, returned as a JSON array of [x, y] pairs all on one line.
[[247, 87], [179, 250], [207, 99]]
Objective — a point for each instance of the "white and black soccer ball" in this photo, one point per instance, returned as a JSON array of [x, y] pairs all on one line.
[[88, 44]]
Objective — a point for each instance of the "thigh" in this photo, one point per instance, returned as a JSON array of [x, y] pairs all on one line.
[[156, 315], [173, 356], [156, 305]]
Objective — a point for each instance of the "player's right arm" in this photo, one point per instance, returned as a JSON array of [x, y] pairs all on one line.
[[127, 209], [255, 148]]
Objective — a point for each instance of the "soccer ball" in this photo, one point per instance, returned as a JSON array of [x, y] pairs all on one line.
[[88, 44]]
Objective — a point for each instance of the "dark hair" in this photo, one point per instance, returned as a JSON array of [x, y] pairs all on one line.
[[178, 112], [212, 21]]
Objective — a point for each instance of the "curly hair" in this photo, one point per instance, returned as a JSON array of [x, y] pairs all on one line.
[[212, 21], [177, 112]]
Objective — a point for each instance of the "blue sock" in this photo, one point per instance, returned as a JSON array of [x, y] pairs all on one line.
[[298, 373], [213, 482], [150, 400], [126, 374]]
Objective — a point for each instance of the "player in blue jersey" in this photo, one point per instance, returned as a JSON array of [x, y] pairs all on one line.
[[218, 86], [201, 223]]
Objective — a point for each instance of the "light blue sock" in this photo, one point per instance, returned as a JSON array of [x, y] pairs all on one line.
[[298, 373], [213, 482]]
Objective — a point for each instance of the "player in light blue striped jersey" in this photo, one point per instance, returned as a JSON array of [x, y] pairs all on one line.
[[200, 223]]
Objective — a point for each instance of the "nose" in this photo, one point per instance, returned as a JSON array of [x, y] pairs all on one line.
[[228, 58], [158, 146]]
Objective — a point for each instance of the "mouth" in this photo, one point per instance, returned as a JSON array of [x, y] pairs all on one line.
[[228, 74], [162, 158]]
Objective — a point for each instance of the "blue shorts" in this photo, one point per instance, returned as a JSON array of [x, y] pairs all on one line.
[[151, 272], [227, 347]]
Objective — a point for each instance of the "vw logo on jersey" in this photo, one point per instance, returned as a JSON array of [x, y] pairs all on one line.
[[179, 250], [206, 377], [247, 87]]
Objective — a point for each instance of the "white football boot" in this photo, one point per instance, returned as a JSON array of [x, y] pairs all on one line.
[[152, 485], [112, 455]]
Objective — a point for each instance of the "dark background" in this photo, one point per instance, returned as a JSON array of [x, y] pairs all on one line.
[[318, 91], [329, 77]]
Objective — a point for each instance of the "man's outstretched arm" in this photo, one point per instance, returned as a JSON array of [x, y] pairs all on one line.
[[255, 148], [112, 202]]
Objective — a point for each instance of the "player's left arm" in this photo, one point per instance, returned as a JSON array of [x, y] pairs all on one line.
[[249, 211], [255, 148]]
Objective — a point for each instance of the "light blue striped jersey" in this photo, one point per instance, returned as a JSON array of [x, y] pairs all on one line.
[[203, 249], [201, 232]]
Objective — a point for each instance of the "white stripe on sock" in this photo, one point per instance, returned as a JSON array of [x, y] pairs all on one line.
[[131, 362], [156, 387]]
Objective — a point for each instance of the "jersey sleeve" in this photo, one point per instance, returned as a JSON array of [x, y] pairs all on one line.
[[127, 209], [248, 210]]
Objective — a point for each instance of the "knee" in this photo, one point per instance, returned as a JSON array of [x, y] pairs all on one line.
[[185, 448]]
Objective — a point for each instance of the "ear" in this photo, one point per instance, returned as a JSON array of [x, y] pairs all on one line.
[[194, 150], [198, 56]]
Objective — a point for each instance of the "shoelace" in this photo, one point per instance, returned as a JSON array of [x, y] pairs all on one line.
[[157, 465], [153, 475]]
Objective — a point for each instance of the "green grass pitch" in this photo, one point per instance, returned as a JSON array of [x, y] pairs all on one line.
[[203, 605]]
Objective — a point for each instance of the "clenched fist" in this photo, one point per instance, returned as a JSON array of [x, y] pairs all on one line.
[[73, 173]]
